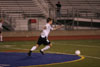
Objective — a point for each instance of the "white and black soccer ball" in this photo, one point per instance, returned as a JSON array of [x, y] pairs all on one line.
[[77, 52]]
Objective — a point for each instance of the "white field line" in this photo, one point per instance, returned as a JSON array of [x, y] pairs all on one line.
[[81, 45], [92, 57], [69, 44]]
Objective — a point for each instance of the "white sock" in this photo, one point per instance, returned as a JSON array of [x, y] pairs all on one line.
[[45, 48], [33, 48], [1, 38]]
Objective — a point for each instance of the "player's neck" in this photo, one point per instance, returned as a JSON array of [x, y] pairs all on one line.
[[48, 23]]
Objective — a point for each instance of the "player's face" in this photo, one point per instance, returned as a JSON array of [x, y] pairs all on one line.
[[51, 22]]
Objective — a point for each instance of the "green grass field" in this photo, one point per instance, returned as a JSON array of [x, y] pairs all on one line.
[[89, 48]]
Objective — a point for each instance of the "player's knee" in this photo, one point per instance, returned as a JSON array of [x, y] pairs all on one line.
[[50, 45], [37, 45]]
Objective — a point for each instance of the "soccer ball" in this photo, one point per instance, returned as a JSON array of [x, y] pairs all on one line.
[[77, 52]]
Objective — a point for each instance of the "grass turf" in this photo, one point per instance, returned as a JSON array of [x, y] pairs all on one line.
[[89, 48]]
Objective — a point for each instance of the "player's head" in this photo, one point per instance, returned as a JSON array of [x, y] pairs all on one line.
[[49, 20]]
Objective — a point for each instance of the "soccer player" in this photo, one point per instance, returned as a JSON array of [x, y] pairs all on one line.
[[43, 39], [1, 22]]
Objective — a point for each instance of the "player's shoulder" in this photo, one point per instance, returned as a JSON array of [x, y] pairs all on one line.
[[47, 24]]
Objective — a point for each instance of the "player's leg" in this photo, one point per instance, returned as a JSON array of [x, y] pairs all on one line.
[[32, 49], [45, 48], [39, 42], [47, 44]]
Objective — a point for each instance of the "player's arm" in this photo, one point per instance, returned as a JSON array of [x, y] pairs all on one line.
[[58, 27]]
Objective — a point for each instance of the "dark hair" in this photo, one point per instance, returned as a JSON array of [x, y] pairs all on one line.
[[49, 19]]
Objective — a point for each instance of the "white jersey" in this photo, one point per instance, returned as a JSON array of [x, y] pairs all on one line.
[[46, 31], [0, 25]]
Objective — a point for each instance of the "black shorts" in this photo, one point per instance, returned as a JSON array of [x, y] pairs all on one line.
[[43, 41]]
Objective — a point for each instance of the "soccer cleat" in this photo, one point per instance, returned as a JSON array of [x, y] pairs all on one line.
[[29, 54], [42, 52]]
